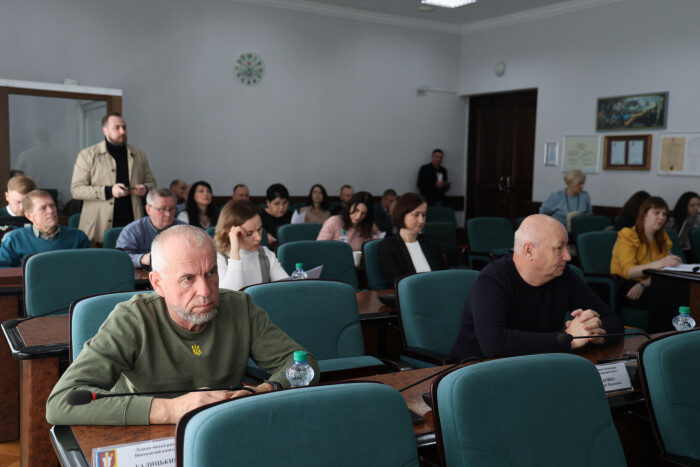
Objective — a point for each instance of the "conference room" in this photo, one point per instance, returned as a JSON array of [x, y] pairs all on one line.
[[355, 94]]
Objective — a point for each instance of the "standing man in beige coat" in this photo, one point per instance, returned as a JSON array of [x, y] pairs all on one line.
[[111, 178]]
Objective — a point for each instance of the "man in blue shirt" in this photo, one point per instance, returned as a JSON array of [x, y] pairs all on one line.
[[44, 235], [137, 236]]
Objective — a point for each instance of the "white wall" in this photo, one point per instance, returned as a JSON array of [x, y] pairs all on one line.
[[338, 103], [635, 46]]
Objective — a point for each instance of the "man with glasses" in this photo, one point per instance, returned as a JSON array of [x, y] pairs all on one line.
[[136, 238]]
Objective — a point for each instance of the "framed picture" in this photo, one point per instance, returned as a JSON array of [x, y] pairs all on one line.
[[627, 152], [679, 154], [581, 152], [638, 112], [551, 154]]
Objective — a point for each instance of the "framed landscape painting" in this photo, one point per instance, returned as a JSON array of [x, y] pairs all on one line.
[[639, 112]]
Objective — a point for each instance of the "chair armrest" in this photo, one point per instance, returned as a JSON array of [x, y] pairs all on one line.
[[396, 366], [257, 374], [428, 356]]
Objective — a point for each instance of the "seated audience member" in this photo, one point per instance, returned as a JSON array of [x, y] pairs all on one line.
[[517, 305], [355, 220], [179, 189], [570, 199], [316, 208], [44, 235], [684, 217], [410, 251], [241, 259], [199, 210], [382, 212], [136, 238], [346, 192], [627, 216], [17, 189], [277, 213], [186, 335], [241, 191], [644, 246]]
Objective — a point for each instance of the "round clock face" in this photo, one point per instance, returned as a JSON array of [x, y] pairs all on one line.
[[249, 69]]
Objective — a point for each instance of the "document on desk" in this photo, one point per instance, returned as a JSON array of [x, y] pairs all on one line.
[[153, 452], [684, 268], [614, 376]]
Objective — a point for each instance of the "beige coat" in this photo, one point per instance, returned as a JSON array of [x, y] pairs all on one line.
[[95, 169]]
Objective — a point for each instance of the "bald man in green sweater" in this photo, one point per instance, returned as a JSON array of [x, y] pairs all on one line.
[[186, 335]]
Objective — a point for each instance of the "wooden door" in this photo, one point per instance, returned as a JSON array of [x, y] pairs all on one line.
[[500, 154]]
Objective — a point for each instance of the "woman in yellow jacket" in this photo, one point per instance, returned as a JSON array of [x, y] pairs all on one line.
[[646, 245]]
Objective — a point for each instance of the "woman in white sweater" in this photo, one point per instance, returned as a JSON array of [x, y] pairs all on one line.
[[241, 259]]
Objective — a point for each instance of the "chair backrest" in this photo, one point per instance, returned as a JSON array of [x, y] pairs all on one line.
[[446, 235], [341, 425], [74, 220], [441, 214], [695, 243], [517, 222], [109, 239], [595, 251], [670, 376], [430, 307], [375, 277], [210, 231], [577, 270], [489, 233], [54, 279], [583, 224], [296, 232], [336, 258], [319, 315], [87, 315], [524, 411], [676, 245]]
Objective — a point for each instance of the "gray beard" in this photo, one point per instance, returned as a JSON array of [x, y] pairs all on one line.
[[193, 318]]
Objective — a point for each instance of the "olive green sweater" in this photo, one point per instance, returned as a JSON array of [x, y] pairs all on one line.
[[139, 348]]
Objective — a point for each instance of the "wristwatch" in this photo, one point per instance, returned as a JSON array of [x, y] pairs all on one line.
[[275, 385]]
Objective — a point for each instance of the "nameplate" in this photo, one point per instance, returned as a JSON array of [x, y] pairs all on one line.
[[614, 376], [152, 453]]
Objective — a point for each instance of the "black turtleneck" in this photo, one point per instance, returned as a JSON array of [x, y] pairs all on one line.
[[123, 211]]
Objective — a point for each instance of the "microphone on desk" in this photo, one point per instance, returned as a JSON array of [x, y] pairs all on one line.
[[12, 323], [565, 338], [82, 397]]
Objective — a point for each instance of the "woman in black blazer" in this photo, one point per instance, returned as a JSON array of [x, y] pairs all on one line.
[[410, 251]]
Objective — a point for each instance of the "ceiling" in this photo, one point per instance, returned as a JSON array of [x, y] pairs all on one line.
[[482, 14]]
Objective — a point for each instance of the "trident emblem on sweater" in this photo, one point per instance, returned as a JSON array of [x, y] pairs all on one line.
[[196, 350]]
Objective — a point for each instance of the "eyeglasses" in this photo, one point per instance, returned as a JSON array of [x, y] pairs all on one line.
[[167, 210]]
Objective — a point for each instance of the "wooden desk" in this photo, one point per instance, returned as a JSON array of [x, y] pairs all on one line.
[[76, 443], [10, 292], [40, 343], [669, 290]]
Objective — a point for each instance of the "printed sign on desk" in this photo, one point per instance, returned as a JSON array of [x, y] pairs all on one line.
[[155, 452]]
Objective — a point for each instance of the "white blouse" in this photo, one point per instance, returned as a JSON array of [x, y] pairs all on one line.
[[236, 274], [418, 257]]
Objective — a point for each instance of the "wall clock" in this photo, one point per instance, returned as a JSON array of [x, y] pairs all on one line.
[[249, 69]]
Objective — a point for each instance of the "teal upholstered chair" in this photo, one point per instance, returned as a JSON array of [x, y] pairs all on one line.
[[375, 277], [446, 235], [321, 316], [595, 253], [87, 315], [296, 232], [350, 424], [441, 214], [336, 258], [430, 308], [54, 279], [517, 222], [594, 223], [109, 239], [74, 220], [695, 243], [297, 206], [210, 231], [547, 409], [489, 237], [676, 246], [670, 377]]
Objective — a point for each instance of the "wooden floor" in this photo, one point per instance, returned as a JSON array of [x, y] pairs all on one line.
[[9, 454]]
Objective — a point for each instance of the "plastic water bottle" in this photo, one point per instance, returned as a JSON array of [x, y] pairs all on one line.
[[683, 322], [299, 272], [343, 236], [300, 372]]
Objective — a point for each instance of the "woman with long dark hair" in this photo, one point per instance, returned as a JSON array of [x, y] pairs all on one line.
[[356, 220], [316, 208], [684, 217], [199, 209]]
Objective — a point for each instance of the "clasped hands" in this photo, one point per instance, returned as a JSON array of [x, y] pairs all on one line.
[[585, 323]]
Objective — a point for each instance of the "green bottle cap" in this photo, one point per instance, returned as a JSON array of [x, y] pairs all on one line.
[[343, 231], [300, 355], [300, 266], [684, 310]]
